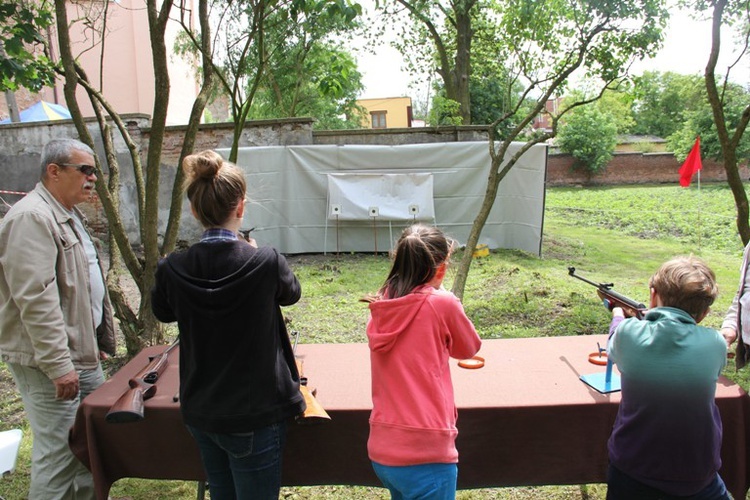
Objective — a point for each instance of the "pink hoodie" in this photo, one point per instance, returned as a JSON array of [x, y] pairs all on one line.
[[413, 420]]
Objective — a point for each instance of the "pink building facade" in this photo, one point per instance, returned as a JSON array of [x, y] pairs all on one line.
[[120, 64]]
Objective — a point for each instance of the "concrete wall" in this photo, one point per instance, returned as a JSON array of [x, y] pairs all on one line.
[[396, 136], [21, 144]]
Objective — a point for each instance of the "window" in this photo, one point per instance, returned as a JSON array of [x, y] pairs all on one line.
[[377, 118]]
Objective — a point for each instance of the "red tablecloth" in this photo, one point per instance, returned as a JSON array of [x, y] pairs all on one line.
[[525, 418]]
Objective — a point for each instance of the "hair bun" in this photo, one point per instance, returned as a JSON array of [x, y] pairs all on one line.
[[203, 165]]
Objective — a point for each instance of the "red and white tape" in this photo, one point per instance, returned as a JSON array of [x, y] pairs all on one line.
[[12, 192]]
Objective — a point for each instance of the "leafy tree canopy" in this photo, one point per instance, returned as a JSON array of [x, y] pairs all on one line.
[[543, 45], [281, 60], [23, 62], [663, 99], [324, 85], [444, 111], [618, 103], [698, 120], [492, 94]]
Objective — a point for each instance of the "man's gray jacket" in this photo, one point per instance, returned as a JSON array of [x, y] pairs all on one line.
[[45, 305]]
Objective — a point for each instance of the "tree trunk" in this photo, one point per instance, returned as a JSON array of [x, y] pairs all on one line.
[[130, 326], [175, 207], [740, 196], [459, 283], [158, 18], [456, 72], [728, 143], [141, 328], [462, 66], [10, 98]]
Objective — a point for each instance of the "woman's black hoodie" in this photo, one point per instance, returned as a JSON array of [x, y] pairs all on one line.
[[237, 370]]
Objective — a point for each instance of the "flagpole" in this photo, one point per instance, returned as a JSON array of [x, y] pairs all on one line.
[[689, 168], [700, 229]]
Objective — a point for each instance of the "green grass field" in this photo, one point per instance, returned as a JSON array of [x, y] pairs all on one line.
[[615, 234]]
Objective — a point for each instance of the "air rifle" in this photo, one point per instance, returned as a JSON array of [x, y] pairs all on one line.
[[245, 233], [129, 408], [314, 413], [612, 299]]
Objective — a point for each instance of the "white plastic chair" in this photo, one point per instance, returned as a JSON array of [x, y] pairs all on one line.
[[10, 441]]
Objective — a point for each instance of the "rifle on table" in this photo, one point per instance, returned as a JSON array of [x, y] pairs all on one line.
[[314, 413], [612, 299], [129, 407]]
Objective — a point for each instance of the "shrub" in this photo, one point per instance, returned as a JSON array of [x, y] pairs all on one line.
[[590, 136]]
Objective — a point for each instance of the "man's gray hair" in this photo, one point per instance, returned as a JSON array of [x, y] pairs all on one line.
[[60, 151]]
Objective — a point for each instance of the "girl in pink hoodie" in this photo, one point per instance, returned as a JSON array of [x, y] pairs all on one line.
[[414, 327]]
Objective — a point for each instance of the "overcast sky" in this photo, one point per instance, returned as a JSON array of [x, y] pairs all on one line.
[[685, 50]]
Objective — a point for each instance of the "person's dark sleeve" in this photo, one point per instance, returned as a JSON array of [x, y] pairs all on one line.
[[159, 297], [289, 288]]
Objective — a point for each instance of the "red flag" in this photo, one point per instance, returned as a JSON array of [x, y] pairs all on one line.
[[692, 164]]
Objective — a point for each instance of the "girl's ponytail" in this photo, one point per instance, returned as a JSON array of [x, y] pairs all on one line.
[[419, 252]]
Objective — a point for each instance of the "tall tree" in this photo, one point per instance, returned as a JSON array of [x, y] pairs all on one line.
[[240, 55], [725, 14], [662, 99], [139, 326], [440, 36], [698, 120], [544, 43], [306, 73], [254, 38], [325, 85]]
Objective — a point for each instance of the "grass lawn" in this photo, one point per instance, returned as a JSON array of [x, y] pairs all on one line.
[[616, 234]]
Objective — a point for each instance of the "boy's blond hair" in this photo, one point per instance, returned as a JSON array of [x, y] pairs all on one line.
[[686, 283]]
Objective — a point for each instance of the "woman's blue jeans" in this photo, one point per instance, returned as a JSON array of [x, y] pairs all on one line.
[[419, 482], [620, 486], [243, 466]]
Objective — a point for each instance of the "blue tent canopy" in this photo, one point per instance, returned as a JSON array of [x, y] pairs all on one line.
[[41, 112]]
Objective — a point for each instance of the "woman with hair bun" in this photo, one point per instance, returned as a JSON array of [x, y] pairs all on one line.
[[238, 379]]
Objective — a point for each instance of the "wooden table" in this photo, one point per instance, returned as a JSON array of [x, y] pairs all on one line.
[[525, 418]]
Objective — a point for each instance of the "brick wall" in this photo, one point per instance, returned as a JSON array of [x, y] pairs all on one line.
[[282, 132], [631, 168]]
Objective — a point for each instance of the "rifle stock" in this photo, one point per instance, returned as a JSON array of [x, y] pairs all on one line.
[[612, 299], [129, 407], [314, 413]]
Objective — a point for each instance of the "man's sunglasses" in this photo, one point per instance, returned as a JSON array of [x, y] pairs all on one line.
[[81, 167]]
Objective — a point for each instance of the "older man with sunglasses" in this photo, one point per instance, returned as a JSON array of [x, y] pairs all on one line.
[[55, 316]]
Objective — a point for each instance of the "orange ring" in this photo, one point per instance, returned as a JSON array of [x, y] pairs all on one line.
[[472, 363], [598, 358]]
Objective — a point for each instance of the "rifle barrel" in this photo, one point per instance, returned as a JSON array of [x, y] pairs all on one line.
[[611, 298], [572, 272]]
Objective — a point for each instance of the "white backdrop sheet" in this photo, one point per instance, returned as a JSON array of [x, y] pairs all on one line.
[[391, 197], [291, 202]]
